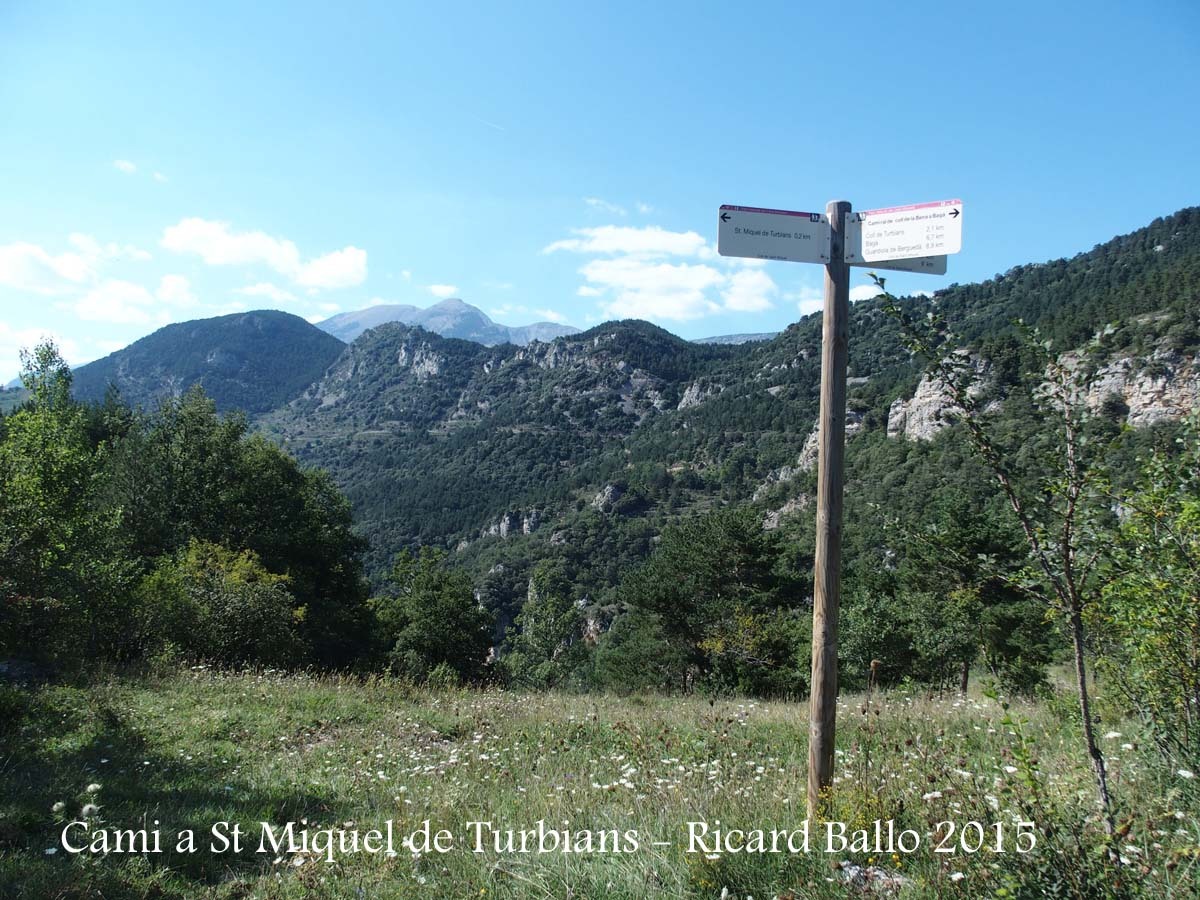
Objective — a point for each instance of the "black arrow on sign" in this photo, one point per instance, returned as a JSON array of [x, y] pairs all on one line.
[[724, 217], [954, 213]]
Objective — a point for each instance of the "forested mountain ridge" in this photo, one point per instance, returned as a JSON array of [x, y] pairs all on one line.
[[448, 442], [433, 438], [253, 361]]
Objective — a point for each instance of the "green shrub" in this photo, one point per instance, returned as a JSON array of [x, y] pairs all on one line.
[[219, 606], [433, 619]]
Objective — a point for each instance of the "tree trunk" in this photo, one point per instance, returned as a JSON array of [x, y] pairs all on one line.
[[964, 678], [1085, 709]]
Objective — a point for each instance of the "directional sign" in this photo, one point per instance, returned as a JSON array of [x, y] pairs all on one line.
[[907, 232], [929, 265], [773, 234]]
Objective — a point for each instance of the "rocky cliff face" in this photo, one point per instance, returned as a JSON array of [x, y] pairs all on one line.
[[696, 393], [513, 523], [807, 459], [360, 362], [928, 411], [420, 358], [1163, 387], [931, 407], [808, 453]]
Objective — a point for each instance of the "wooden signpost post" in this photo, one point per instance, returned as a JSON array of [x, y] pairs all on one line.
[[913, 238]]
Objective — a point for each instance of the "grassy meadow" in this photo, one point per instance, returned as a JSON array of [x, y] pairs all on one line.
[[196, 747]]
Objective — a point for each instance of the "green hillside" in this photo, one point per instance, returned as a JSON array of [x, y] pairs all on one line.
[[502, 454], [250, 361]]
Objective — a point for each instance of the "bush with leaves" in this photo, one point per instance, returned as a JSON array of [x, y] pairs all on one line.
[[546, 647], [93, 499], [64, 582], [214, 605], [636, 654], [1051, 478], [716, 604], [183, 472], [1149, 615], [432, 619]]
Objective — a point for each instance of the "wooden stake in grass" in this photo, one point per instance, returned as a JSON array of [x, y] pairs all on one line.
[[831, 441]]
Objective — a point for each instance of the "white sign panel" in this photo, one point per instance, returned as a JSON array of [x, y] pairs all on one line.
[[907, 232], [930, 265], [773, 234]]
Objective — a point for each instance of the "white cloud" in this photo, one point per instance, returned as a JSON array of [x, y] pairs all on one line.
[[661, 290], [648, 241], [406, 275], [116, 302], [27, 267], [863, 292], [268, 290], [160, 177], [175, 290], [95, 252], [749, 290], [217, 245], [604, 206], [508, 309], [676, 307], [644, 208], [635, 274], [125, 166], [14, 340], [340, 269], [443, 290], [30, 268], [643, 272], [809, 300]]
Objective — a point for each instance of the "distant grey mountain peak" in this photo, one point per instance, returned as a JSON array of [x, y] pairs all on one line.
[[453, 318]]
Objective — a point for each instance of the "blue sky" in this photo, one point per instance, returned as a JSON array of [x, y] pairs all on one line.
[[164, 162]]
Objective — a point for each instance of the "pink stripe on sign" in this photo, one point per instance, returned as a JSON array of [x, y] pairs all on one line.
[[773, 212], [910, 207]]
